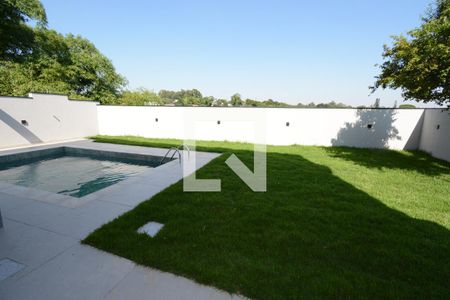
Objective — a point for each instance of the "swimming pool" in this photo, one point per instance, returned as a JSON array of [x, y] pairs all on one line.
[[74, 172]]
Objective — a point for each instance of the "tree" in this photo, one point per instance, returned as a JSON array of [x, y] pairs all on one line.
[[322, 105], [419, 64], [377, 103], [182, 97], [272, 103], [331, 104], [62, 64], [91, 74], [41, 60], [16, 37], [220, 102], [236, 100], [208, 101], [191, 101], [140, 96], [251, 102], [168, 96], [407, 106]]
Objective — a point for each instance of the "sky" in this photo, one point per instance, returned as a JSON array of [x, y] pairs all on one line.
[[291, 51]]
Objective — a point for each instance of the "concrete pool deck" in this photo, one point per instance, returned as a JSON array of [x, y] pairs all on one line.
[[44, 236]]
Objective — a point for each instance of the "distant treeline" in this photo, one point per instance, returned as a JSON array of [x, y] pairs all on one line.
[[195, 98]]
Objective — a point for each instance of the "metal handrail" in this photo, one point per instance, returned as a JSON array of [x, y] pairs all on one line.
[[167, 153], [183, 146], [175, 151]]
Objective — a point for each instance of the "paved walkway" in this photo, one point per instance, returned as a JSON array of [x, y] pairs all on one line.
[[45, 238]]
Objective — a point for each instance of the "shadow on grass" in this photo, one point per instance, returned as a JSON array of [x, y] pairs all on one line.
[[387, 159], [375, 129], [207, 146], [373, 158], [311, 235]]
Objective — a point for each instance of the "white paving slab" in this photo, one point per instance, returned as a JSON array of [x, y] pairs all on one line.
[[151, 228], [9, 267], [144, 283], [78, 273], [79, 225], [35, 213], [42, 232], [8, 202], [33, 246], [134, 194]]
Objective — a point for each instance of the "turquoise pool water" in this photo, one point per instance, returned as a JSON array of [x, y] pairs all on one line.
[[75, 176]]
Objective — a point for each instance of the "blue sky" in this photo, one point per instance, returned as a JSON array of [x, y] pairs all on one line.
[[292, 51]]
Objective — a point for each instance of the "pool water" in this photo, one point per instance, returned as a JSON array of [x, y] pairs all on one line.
[[75, 176]]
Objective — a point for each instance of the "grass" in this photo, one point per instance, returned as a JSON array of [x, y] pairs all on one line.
[[334, 223]]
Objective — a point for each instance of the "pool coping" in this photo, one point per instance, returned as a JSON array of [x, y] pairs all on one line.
[[160, 177], [23, 158]]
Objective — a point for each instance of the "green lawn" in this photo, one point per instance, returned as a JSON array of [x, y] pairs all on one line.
[[334, 223]]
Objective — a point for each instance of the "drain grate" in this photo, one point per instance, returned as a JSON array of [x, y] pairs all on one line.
[[151, 228], [9, 267]]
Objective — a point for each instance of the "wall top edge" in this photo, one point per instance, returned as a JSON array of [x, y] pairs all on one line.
[[32, 96], [260, 107]]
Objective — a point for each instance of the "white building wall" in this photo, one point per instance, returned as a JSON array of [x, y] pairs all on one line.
[[391, 128], [436, 133], [48, 118]]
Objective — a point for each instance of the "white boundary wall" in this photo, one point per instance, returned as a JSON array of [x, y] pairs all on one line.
[[391, 128], [48, 118], [436, 133], [52, 118]]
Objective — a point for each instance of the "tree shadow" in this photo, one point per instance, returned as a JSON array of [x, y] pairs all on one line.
[[19, 128], [373, 129], [416, 161], [311, 235], [354, 136]]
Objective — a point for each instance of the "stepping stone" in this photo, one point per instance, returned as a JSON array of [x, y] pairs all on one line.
[[151, 228], [9, 267]]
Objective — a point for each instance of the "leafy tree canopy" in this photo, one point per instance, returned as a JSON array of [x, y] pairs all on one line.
[[236, 100], [331, 104], [195, 98], [185, 97], [62, 64], [407, 106], [376, 104], [16, 37], [419, 64], [140, 97], [35, 59], [171, 96], [220, 102]]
